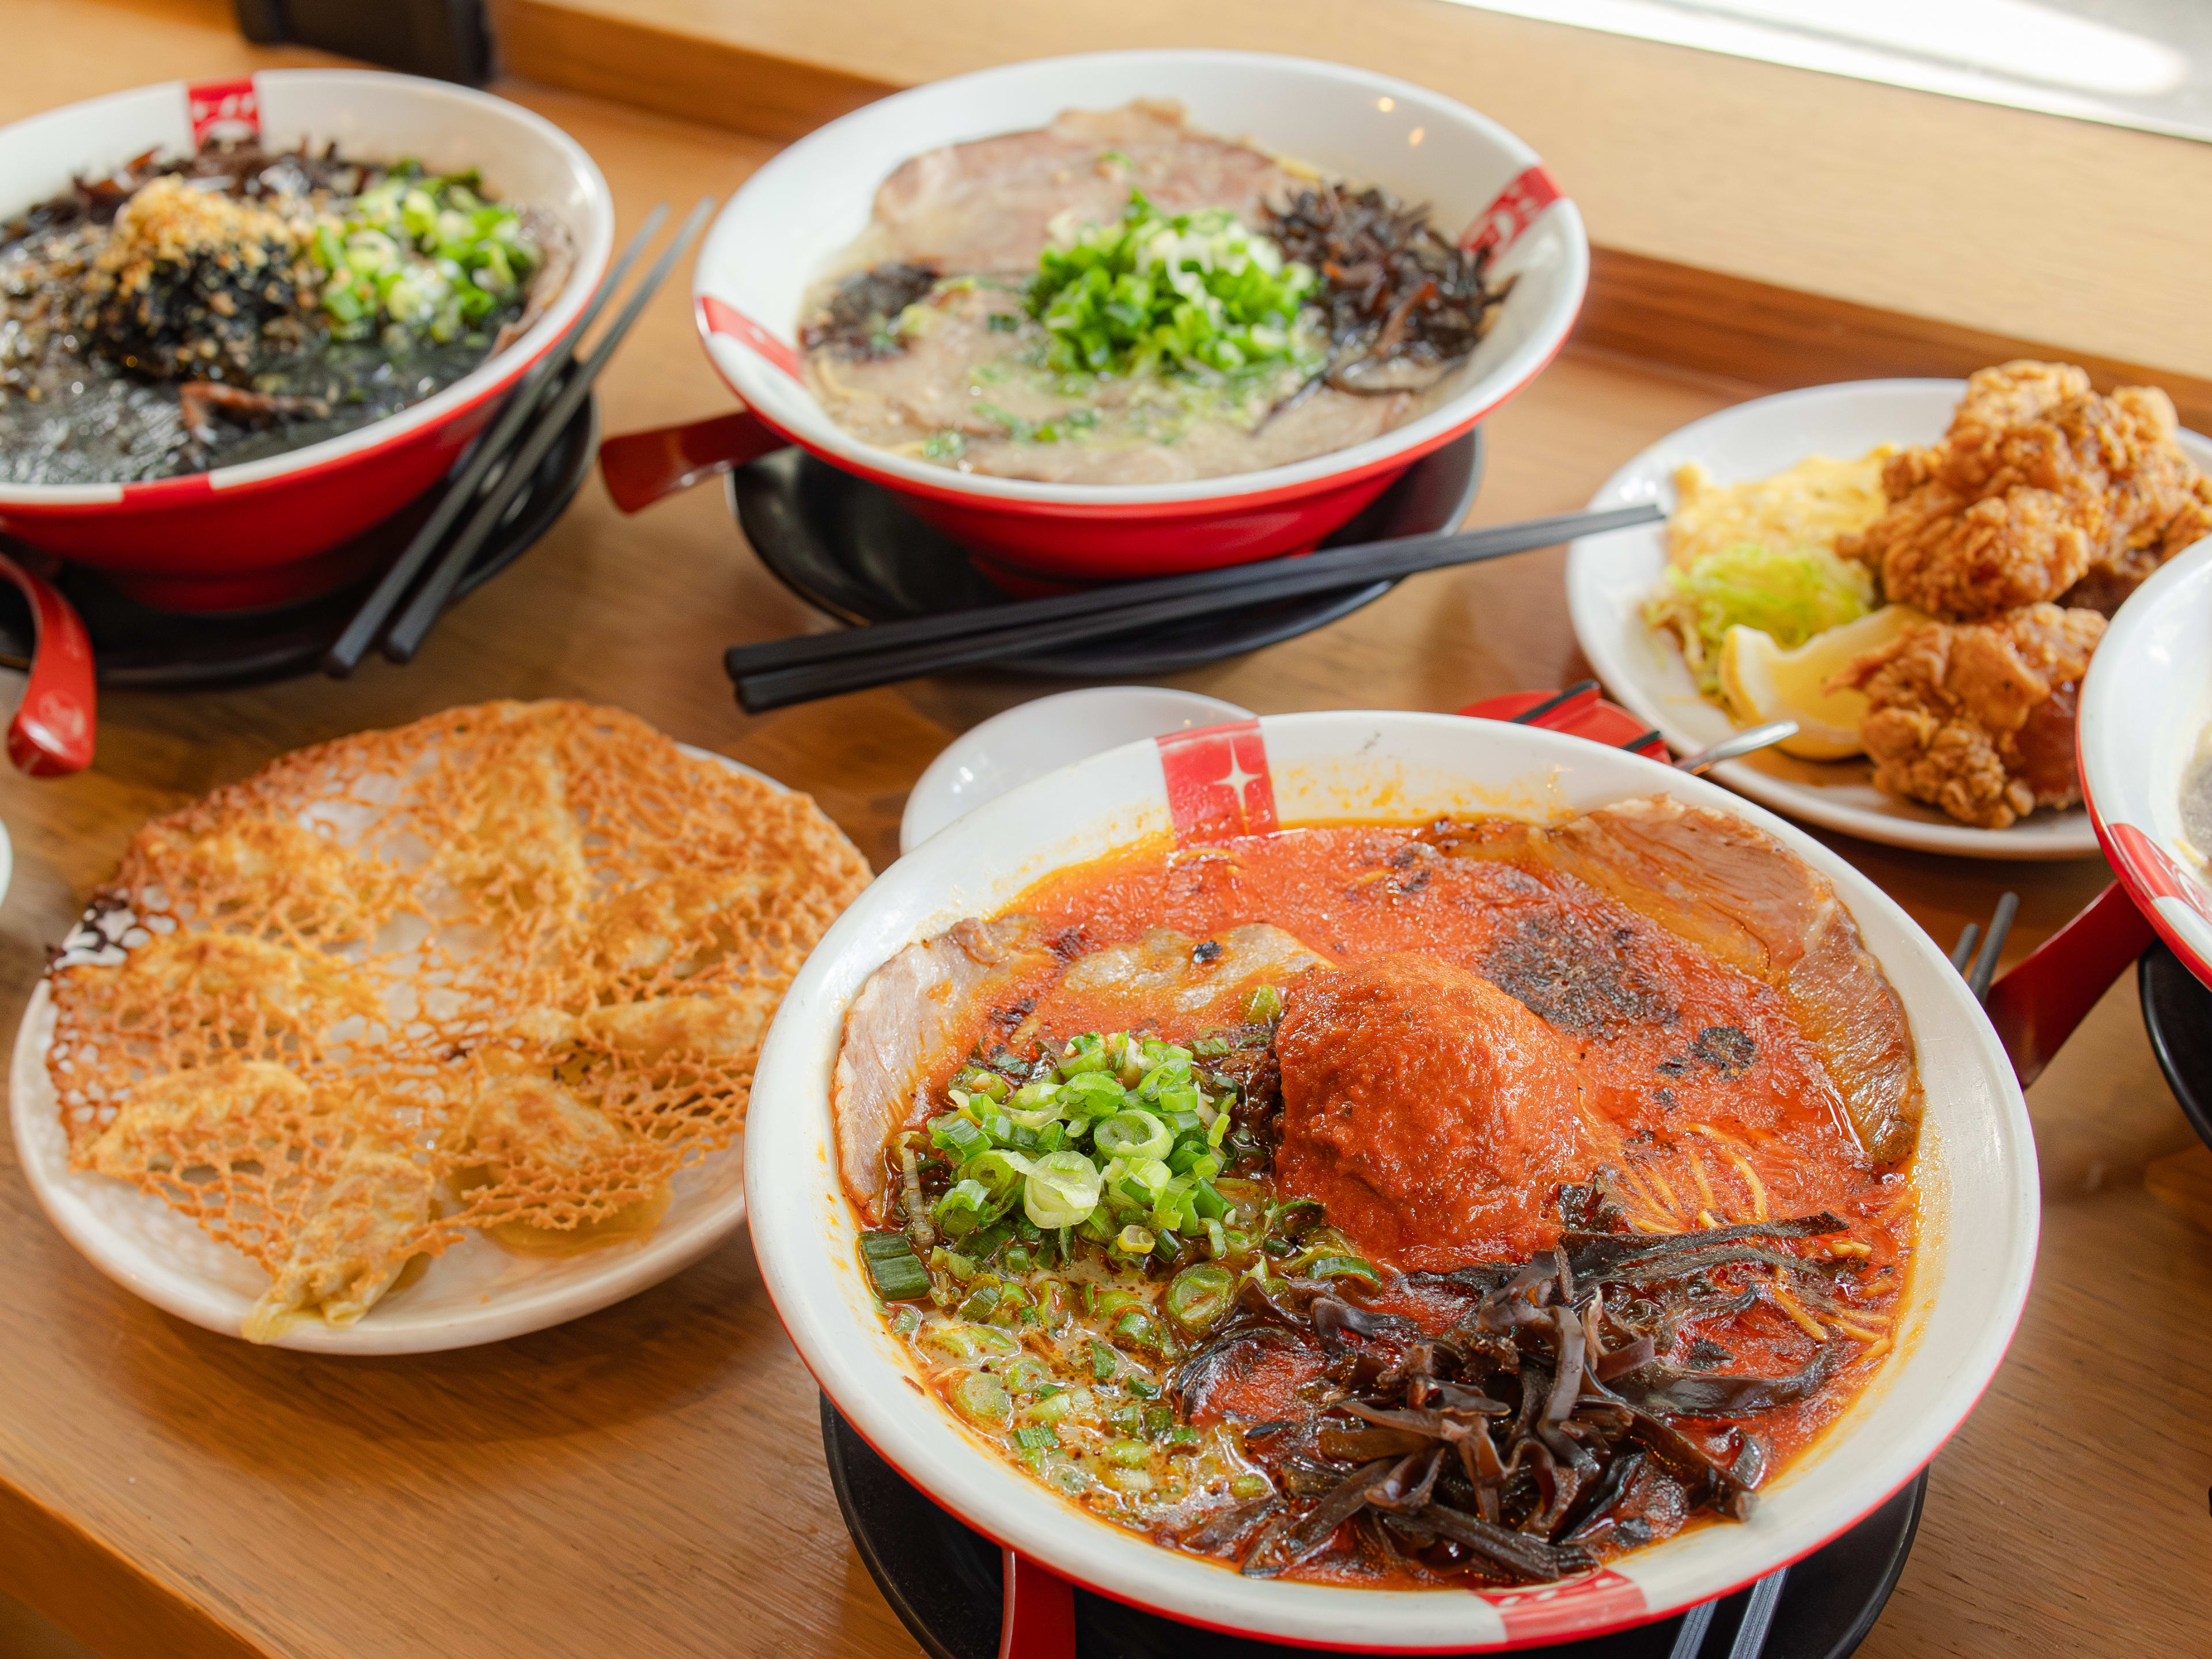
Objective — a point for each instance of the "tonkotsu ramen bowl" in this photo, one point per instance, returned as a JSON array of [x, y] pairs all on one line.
[[252, 535], [1976, 1168], [1481, 183]]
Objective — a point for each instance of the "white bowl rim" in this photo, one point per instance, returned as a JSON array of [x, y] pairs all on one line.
[[926, 802], [1561, 221], [2109, 736], [140, 1269], [594, 239], [920, 1439]]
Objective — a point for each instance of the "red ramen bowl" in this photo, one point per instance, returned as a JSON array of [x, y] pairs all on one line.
[[261, 533], [1975, 1170], [807, 204]]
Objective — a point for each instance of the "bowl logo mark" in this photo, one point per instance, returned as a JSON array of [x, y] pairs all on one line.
[[1517, 207], [2156, 873], [1572, 1607], [224, 109], [1219, 784], [722, 318]]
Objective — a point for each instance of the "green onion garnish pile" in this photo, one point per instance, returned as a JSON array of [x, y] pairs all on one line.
[[1195, 293], [1119, 1143], [422, 256]]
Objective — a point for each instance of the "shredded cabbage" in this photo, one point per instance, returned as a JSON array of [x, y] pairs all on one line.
[[1790, 593]]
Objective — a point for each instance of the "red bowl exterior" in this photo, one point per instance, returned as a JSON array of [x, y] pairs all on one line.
[[183, 544], [1071, 545], [1056, 543]]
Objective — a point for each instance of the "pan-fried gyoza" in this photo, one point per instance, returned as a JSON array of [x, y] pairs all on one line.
[[506, 968]]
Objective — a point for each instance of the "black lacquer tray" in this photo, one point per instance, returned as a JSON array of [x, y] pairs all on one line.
[[137, 647], [943, 1582], [847, 547]]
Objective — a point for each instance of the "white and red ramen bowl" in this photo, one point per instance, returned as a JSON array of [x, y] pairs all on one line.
[[2145, 704], [263, 532], [1976, 1170], [814, 198]]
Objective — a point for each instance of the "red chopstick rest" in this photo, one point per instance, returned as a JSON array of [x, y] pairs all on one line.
[[1580, 712], [642, 467], [51, 734]]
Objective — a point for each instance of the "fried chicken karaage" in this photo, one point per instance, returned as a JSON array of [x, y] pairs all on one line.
[[2043, 490], [1977, 718]]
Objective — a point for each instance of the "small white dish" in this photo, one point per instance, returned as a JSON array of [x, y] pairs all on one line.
[[2133, 765], [474, 1293], [1036, 737], [1610, 576]]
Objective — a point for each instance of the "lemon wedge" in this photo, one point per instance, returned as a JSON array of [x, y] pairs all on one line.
[[1762, 682]]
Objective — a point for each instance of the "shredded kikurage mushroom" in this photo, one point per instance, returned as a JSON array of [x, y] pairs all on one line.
[[505, 969]]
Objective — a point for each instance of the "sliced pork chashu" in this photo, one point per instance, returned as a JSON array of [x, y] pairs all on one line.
[[1172, 983], [925, 1010], [916, 1018], [1732, 889]]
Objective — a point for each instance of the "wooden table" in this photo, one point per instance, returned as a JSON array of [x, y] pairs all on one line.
[[649, 1480]]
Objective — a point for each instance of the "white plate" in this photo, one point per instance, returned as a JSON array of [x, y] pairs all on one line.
[[1609, 577], [1036, 737], [475, 1292], [1976, 1172]]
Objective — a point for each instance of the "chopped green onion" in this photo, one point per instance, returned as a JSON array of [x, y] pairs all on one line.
[[982, 1303], [1136, 1240], [981, 1399], [1061, 1188], [1264, 1006], [1132, 1135], [1199, 1296], [894, 1270], [1343, 1266]]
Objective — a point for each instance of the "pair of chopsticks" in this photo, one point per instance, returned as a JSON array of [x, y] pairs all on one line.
[[493, 474], [779, 672]]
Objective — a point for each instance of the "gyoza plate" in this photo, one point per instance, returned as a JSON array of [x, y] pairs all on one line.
[[1610, 576], [476, 1292]]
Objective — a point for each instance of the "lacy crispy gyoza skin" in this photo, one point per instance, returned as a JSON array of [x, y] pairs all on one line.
[[507, 968]]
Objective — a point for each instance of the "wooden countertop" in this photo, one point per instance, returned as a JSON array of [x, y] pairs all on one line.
[[649, 1480], [1999, 220]]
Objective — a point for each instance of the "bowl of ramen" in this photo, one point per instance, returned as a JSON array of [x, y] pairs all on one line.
[[1132, 312], [245, 322], [1279, 1173], [2149, 782]]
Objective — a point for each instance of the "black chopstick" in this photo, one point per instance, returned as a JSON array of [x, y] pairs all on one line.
[[1332, 567], [1758, 1616], [1985, 964], [345, 655], [1537, 711], [828, 665], [431, 600]]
